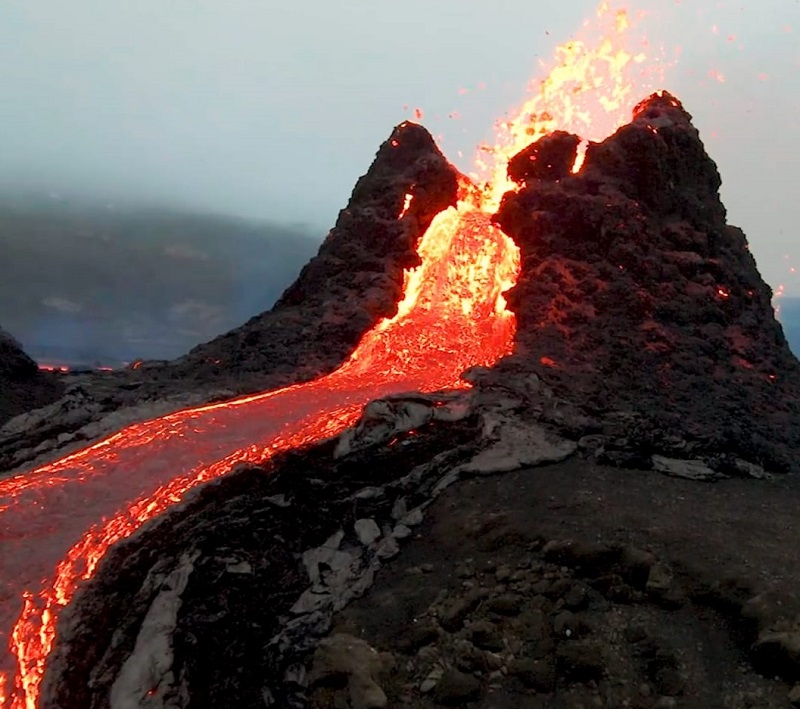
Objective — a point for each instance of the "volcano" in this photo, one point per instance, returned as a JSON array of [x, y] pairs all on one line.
[[589, 305], [645, 338]]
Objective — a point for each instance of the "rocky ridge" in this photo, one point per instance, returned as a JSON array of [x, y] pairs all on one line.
[[355, 280]]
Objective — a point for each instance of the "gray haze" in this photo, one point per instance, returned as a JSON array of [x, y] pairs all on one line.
[[267, 108]]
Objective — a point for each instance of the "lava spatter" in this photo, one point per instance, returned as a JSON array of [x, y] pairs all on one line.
[[58, 521]]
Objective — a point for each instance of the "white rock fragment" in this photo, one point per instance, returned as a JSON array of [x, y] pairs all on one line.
[[310, 600], [367, 531], [401, 532], [388, 548], [321, 555], [242, 567], [384, 419], [146, 679], [518, 445], [413, 518], [689, 469], [431, 680], [400, 508]]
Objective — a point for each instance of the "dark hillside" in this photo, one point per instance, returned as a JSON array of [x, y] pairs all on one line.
[[84, 283]]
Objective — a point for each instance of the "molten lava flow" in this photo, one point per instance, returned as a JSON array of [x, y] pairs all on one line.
[[406, 205], [451, 318], [59, 520]]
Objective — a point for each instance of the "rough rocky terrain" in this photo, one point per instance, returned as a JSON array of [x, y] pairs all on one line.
[[571, 584], [578, 585]]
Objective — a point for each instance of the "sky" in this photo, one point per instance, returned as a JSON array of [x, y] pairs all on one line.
[[273, 109]]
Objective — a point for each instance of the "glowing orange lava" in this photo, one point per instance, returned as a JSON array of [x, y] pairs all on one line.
[[59, 520], [53, 368]]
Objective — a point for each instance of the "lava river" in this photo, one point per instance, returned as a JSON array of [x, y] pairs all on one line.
[[57, 521], [452, 317]]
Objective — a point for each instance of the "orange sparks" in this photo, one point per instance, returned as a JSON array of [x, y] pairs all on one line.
[[587, 92], [452, 316]]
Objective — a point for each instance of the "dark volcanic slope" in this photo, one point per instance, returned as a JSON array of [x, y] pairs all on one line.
[[640, 298], [355, 280], [22, 386]]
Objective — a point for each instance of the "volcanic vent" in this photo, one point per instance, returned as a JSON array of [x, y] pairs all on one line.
[[637, 299]]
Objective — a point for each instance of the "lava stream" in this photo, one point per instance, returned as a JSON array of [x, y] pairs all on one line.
[[452, 318], [58, 521]]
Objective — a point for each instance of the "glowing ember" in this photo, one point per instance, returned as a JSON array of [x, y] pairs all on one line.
[[452, 317]]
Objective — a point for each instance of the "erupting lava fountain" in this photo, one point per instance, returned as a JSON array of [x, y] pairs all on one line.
[[58, 521]]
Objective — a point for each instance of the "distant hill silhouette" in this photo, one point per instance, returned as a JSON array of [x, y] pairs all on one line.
[[83, 283]]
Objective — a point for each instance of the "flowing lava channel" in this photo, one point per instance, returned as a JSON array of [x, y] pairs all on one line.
[[58, 521]]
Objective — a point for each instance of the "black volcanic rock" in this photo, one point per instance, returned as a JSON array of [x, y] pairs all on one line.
[[551, 158], [355, 280], [636, 296], [23, 386]]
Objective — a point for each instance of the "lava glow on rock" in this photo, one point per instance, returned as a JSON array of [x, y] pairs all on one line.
[[58, 521]]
